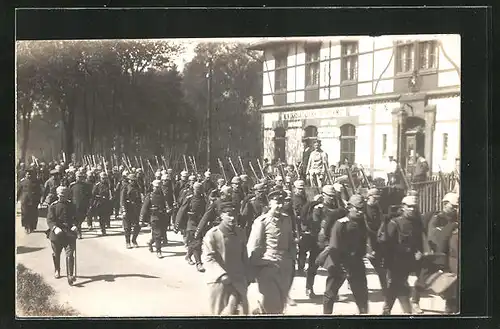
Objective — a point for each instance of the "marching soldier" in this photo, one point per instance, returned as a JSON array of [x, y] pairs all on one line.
[[167, 187], [305, 158], [238, 195], [318, 161], [374, 219], [226, 259], [62, 231], [256, 206], [195, 210], [29, 193], [299, 200], [278, 183], [49, 191], [211, 217], [102, 198], [220, 183], [324, 216], [181, 184], [154, 207], [81, 195], [208, 184], [343, 257], [245, 188], [272, 253], [404, 238], [130, 202]]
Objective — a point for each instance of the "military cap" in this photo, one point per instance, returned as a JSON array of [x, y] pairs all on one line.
[[221, 181], [54, 172], [338, 187], [58, 168], [156, 183], [184, 173], [259, 187], [244, 177], [164, 177], [103, 175], [276, 195], [80, 173], [235, 180], [226, 189], [89, 173], [317, 197], [356, 200], [263, 181], [138, 170], [61, 190], [132, 176], [452, 198], [299, 183], [342, 179], [373, 192], [120, 168], [158, 174], [115, 168], [412, 193], [207, 173], [410, 200], [328, 190], [125, 173], [197, 186], [278, 178], [192, 178], [226, 207], [99, 167], [170, 170]]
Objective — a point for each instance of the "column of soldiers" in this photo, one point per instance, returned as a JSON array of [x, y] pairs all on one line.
[[265, 234]]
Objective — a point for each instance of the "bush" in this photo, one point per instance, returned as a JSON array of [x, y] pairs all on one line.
[[35, 297]]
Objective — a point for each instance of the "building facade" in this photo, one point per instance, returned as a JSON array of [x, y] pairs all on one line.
[[366, 98]]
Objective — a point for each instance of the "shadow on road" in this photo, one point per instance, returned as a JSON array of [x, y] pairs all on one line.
[[110, 278], [174, 244], [166, 253], [25, 250], [99, 235]]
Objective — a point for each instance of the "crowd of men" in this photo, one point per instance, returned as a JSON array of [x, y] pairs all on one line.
[[267, 231]]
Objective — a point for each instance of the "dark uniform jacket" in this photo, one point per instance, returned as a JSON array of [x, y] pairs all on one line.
[[373, 219], [440, 232], [210, 219], [453, 251], [251, 210], [405, 228], [196, 209], [61, 214], [130, 200], [179, 186], [298, 201], [29, 192], [49, 191], [168, 191], [324, 218], [101, 194], [208, 186], [81, 195], [153, 207]]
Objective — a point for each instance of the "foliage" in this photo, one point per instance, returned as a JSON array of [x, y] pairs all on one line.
[[35, 297]]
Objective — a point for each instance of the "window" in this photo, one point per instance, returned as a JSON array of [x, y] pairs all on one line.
[[349, 61], [407, 61], [384, 145], [347, 143], [405, 57], [280, 72], [312, 66], [310, 135], [445, 146], [428, 55], [279, 143]]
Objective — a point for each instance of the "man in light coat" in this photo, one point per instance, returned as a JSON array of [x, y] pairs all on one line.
[[226, 261], [272, 251]]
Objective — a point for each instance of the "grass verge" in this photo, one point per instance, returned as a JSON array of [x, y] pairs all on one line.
[[35, 297]]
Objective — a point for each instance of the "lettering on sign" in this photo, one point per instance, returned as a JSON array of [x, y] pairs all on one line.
[[295, 124], [315, 114]]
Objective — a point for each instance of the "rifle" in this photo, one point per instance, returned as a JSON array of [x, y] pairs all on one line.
[[105, 170], [157, 162], [192, 164], [440, 173], [297, 171], [64, 157], [222, 169], [232, 166], [261, 170], [330, 179], [164, 162], [185, 162], [137, 161], [253, 170], [241, 164], [142, 165], [364, 176], [405, 180], [151, 167], [128, 160], [93, 160], [195, 166], [351, 181]]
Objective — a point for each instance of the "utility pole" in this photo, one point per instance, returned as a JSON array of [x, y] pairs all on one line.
[[209, 114]]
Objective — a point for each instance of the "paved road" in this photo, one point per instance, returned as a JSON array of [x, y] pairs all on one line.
[[115, 281]]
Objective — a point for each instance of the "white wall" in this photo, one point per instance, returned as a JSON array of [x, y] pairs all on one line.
[[363, 145], [452, 129]]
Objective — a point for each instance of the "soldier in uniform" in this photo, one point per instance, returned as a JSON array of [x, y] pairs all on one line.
[[374, 219], [238, 195], [81, 194], [49, 191], [278, 183], [179, 186], [343, 257], [195, 209], [324, 216], [211, 217], [102, 201], [62, 231], [305, 158], [318, 162], [299, 200], [245, 188], [130, 204], [226, 260], [256, 206], [154, 207], [272, 253], [29, 193], [220, 183], [167, 187], [208, 184], [404, 239]]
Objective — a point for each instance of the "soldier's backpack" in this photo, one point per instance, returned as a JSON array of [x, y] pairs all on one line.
[[405, 236], [306, 213]]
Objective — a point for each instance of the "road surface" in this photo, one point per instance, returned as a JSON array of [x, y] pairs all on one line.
[[115, 281]]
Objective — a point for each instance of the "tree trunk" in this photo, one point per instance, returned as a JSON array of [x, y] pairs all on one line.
[[26, 121]]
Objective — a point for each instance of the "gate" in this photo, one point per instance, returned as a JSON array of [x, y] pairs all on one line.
[[432, 192]]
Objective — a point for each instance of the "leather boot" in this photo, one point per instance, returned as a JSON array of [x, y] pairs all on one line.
[[70, 263], [57, 268], [200, 268], [150, 246], [328, 306]]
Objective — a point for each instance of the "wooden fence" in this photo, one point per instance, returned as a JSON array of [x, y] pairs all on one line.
[[432, 192]]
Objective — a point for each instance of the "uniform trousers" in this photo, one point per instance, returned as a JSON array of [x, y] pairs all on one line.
[[80, 217], [156, 233], [67, 242], [103, 212], [193, 246], [354, 270], [308, 243], [397, 286], [378, 266], [131, 224], [224, 299], [29, 216]]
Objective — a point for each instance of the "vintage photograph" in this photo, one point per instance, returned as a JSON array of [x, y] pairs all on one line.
[[243, 177]]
